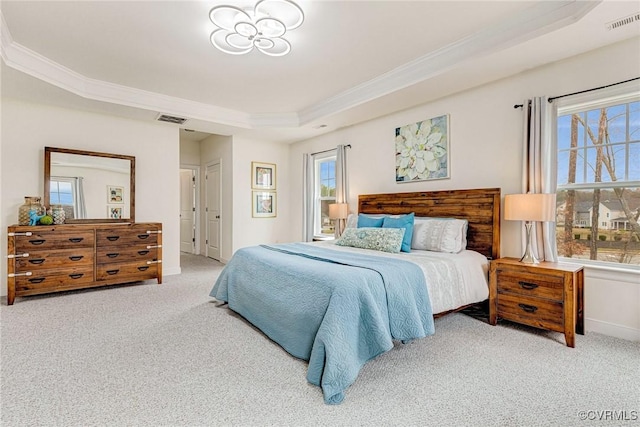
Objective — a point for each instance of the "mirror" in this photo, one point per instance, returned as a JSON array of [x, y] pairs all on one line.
[[90, 186]]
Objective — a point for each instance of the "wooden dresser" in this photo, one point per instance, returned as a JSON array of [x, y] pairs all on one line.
[[547, 295], [44, 259]]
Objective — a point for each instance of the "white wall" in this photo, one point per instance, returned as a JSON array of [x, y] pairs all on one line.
[[27, 128], [485, 151], [247, 230], [235, 154], [190, 153], [217, 148]]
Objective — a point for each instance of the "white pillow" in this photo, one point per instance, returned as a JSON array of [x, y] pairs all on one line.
[[439, 234], [352, 221]]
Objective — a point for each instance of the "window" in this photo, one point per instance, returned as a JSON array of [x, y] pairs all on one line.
[[62, 192], [598, 178], [324, 193]]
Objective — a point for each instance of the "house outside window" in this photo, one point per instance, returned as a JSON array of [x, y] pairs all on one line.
[[324, 193], [598, 181]]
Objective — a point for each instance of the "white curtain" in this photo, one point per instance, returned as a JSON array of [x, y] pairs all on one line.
[[307, 197], [539, 166], [342, 191], [80, 208]]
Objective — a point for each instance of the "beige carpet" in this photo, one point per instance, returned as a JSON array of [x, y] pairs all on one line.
[[167, 355]]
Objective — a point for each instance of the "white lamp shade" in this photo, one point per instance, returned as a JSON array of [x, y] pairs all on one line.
[[338, 210], [530, 207]]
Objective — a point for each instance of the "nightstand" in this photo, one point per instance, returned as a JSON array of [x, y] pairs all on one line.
[[548, 295]]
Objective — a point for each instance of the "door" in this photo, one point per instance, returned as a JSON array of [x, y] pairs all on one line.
[[212, 180], [187, 210]]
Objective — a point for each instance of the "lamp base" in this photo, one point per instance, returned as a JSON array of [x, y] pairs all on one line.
[[529, 257], [339, 226]]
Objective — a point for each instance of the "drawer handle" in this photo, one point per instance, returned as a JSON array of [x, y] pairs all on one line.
[[112, 238], [28, 233], [144, 268], [76, 275], [37, 280], [143, 252], [76, 239], [113, 255], [12, 275], [76, 257], [112, 272], [528, 308], [12, 256], [36, 261], [527, 285], [143, 236], [37, 241]]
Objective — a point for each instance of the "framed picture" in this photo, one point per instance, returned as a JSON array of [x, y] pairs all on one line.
[[115, 194], [422, 150], [263, 204], [114, 212], [263, 176]]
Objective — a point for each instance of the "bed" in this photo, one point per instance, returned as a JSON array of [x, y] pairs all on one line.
[[338, 307]]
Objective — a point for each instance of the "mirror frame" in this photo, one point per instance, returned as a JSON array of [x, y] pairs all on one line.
[[132, 177]]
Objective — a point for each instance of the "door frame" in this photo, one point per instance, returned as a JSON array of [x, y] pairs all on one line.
[[196, 219], [217, 161]]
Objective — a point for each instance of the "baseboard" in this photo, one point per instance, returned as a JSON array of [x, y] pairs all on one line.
[[171, 271], [224, 260], [612, 329]]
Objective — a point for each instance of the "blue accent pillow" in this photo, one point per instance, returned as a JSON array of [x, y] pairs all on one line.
[[404, 221], [369, 221]]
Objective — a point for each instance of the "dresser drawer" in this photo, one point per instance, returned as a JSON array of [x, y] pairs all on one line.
[[126, 236], [536, 312], [115, 254], [51, 239], [44, 260], [54, 279], [535, 285], [127, 272]]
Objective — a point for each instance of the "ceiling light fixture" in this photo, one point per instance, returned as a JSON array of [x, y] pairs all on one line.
[[263, 27]]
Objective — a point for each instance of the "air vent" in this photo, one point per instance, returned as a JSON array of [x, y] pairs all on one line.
[[170, 119], [623, 21]]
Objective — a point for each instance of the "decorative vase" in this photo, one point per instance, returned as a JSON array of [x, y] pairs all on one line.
[[30, 203], [58, 214]]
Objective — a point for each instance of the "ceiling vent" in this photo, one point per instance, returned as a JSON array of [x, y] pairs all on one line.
[[170, 119], [623, 21]]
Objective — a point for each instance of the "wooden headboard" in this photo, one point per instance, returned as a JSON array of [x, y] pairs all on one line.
[[481, 207]]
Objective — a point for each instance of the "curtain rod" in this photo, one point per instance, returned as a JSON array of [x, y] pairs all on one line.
[[584, 91], [326, 151]]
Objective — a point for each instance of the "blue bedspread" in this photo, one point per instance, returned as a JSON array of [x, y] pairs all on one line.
[[335, 309]]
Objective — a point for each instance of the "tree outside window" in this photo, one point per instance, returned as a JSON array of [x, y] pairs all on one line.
[[598, 178]]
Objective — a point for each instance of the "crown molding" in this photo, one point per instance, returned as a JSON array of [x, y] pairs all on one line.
[[541, 18], [32, 63]]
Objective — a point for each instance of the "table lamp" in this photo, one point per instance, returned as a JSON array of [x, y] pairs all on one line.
[[338, 212], [529, 208]]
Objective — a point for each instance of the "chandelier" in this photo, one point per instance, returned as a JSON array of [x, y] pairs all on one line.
[[263, 27]]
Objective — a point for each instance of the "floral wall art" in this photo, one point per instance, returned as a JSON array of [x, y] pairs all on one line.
[[422, 150]]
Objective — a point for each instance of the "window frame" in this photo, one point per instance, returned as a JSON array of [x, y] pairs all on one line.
[[318, 159], [58, 179], [602, 98]]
